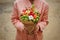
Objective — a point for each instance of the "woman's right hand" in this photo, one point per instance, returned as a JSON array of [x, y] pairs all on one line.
[[19, 25]]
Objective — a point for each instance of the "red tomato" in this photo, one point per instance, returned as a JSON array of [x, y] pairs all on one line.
[[35, 16], [31, 13]]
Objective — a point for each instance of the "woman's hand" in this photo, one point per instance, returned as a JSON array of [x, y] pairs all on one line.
[[19, 26], [36, 28]]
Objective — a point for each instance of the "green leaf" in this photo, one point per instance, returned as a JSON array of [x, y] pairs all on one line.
[[26, 19]]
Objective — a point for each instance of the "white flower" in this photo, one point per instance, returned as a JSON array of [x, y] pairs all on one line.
[[30, 17]]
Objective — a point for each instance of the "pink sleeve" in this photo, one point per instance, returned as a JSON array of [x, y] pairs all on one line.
[[15, 18], [44, 20]]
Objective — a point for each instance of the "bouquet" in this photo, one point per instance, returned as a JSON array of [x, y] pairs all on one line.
[[30, 16]]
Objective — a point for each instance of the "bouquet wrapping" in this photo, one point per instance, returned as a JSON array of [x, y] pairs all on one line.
[[30, 18]]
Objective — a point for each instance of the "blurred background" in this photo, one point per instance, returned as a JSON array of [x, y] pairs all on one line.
[[8, 31]]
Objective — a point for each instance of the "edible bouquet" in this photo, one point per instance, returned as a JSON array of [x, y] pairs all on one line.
[[30, 16]]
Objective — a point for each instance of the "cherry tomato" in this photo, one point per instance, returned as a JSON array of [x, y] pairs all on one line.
[[35, 16]]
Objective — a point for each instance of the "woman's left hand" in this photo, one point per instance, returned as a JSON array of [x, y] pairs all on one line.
[[36, 28]]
